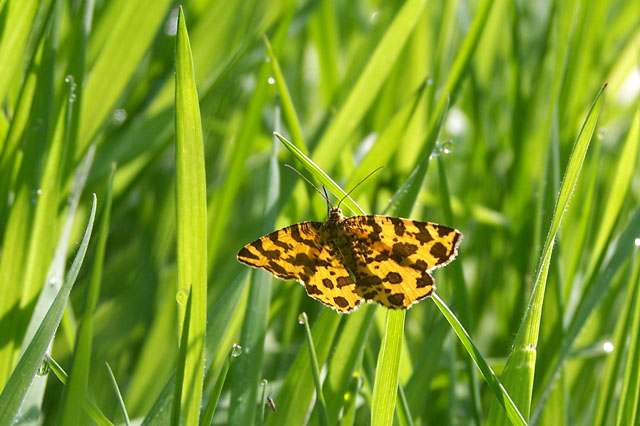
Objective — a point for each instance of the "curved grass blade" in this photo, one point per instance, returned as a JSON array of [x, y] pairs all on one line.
[[191, 219], [123, 409], [319, 174], [503, 396], [520, 366], [21, 377]]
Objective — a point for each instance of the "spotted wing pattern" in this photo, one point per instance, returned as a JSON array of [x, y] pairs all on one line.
[[391, 257], [298, 252]]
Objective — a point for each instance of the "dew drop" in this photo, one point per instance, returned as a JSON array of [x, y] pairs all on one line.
[[271, 80], [267, 59], [236, 350], [301, 319], [171, 26], [119, 115], [44, 368], [601, 133], [447, 147], [182, 296], [636, 242], [607, 347]]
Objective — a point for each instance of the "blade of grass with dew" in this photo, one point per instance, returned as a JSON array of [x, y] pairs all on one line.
[[18, 20], [520, 366], [127, 43], [246, 370], [321, 406], [368, 85], [21, 377], [17, 225], [88, 405], [285, 98], [77, 385], [607, 396], [621, 249], [628, 405], [116, 389], [181, 364], [191, 219]]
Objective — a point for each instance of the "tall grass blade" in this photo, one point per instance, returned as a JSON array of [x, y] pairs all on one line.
[[191, 218], [520, 367]]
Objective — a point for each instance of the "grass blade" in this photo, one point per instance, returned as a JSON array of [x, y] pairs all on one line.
[[21, 377], [123, 409], [385, 387], [520, 367], [315, 370], [191, 218]]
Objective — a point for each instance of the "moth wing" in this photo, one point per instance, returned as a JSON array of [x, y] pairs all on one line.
[[298, 252], [393, 257]]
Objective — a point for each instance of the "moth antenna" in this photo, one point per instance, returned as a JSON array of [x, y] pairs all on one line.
[[326, 197], [358, 184]]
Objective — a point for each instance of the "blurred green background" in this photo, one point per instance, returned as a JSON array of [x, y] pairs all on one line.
[[367, 85]]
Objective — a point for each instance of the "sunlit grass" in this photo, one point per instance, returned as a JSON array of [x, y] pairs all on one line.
[[487, 116]]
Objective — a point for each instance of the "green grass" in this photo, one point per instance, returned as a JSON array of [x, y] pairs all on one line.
[[489, 116]]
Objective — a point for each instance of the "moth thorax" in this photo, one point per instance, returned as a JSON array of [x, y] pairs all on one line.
[[335, 214]]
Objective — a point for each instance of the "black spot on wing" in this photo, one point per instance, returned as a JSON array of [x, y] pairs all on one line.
[[404, 249], [396, 299], [327, 283], [394, 278], [344, 281], [440, 252], [341, 301], [245, 253]]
